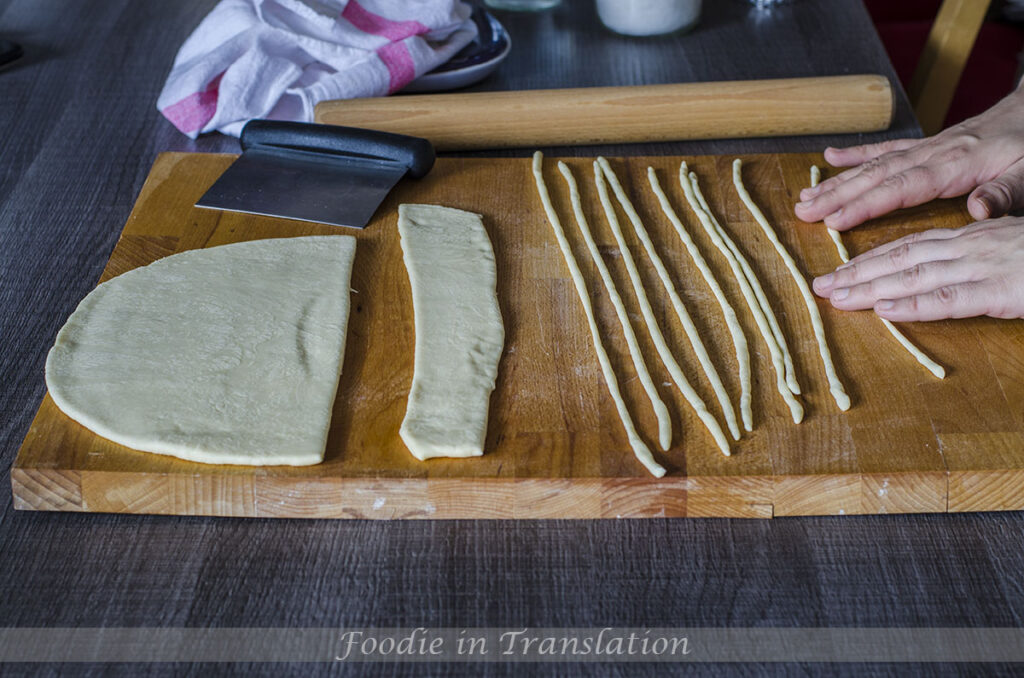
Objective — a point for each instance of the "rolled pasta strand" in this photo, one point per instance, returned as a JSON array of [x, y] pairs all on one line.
[[835, 385], [707, 221], [669, 360], [677, 303], [919, 355], [832, 233], [640, 449], [732, 322], [755, 284], [660, 410]]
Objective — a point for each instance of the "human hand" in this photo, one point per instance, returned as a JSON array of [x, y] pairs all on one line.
[[985, 153], [942, 273]]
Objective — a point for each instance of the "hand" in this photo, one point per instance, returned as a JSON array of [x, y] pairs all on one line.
[[986, 152], [942, 273]]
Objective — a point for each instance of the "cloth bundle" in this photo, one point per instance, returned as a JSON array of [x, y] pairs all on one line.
[[277, 58]]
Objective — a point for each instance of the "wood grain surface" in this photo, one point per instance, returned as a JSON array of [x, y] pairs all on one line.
[[601, 115], [555, 448]]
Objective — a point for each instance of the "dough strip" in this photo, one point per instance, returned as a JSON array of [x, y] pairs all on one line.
[[707, 220], [660, 410], [835, 386], [832, 233], [640, 450], [755, 284], [459, 331], [677, 304], [919, 355], [739, 340], [694, 400]]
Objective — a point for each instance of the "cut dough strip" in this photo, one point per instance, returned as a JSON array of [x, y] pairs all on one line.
[[694, 400], [660, 410], [835, 386], [919, 355], [755, 284], [677, 304], [707, 220], [459, 332], [643, 454], [739, 340]]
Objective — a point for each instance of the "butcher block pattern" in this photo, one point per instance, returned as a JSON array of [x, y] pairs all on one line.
[[555, 447]]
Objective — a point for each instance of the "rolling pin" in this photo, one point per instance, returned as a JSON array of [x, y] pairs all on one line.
[[598, 115]]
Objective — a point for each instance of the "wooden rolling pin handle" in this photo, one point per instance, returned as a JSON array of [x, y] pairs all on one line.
[[599, 115]]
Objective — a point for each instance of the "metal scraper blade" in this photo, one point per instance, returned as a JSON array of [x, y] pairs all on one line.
[[297, 184]]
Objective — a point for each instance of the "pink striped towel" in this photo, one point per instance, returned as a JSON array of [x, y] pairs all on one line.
[[277, 58]]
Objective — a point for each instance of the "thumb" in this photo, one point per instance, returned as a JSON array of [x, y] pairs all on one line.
[[998, 197]]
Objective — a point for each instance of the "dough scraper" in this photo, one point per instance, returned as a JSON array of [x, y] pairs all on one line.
[[323, 173]]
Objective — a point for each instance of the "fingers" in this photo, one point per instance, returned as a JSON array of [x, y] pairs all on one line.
[[999, 196], [915, 280], [943, 273], [921, 236], [894, 260], [850, 157], [846, 195], [856, 155], [808, 194], [962, 300], [904, 189]]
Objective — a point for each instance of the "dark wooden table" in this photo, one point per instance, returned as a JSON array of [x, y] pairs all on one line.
[[78, 133]]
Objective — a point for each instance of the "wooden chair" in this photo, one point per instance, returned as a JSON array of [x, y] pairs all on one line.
[[942, 62]]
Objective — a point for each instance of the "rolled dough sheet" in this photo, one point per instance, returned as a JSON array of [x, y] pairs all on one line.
[[225, 355], [459, 332]]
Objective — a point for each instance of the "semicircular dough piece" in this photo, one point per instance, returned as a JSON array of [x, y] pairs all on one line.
[[225, 355]]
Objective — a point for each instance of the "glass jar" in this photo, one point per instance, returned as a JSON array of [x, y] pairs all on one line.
[[648, 17]]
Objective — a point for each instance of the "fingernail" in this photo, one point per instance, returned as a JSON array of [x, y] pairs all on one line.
[[830, 220], [841, 293], [886, 305], [825, 280]]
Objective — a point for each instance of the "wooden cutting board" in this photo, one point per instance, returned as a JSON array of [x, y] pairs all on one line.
[[555, 448]]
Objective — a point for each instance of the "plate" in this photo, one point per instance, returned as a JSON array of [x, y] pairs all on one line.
[[472, 63]]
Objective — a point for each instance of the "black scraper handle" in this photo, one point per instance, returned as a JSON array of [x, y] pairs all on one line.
[[415, 153]]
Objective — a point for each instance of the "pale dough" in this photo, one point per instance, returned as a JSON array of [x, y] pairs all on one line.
[[660, 410], [459, 332], [692, 397], [225, 355], [755, 284], [832, 233], [835, 386], [739, 340], [640, 449], [919, 355], [677, 303], [711, 227]]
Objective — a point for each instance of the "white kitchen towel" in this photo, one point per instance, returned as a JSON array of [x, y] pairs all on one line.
[[277, 58]]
